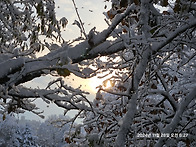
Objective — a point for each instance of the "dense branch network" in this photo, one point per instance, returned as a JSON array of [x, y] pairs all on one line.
[[151, 54]]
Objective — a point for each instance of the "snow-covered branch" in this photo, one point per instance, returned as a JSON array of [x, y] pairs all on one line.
[[190, 24], [128, 118], [177, 117], [64, 96], [149, 56]]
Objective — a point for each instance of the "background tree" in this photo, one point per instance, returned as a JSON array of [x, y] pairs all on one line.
[[51, 134], [21, 132], [15, 134], [151, 53]]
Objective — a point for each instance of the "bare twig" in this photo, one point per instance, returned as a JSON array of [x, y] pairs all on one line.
[[80, 20]]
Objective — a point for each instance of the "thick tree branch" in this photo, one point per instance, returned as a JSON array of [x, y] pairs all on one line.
[[158, 46], [128, 118], [140, 69]]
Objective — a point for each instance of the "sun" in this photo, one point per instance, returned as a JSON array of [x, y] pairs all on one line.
[[91, 85], [95, 82], [107, 84]]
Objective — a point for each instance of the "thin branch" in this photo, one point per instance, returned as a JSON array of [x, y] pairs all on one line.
[[81, 23], [173, 124], [115, 93]]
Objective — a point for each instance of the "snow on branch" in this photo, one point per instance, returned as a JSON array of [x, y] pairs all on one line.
[[101, 37], [64, 96], [139, 71], [190, 24], [9, 67], [167, 96], [133, 95], [176, 119]]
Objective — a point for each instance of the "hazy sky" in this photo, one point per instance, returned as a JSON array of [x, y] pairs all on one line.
[[91, 13]]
